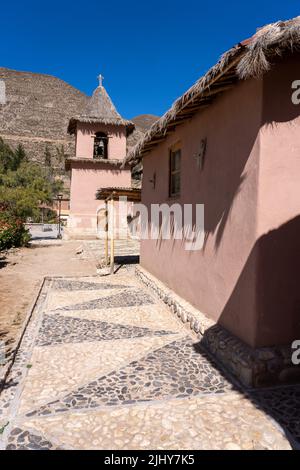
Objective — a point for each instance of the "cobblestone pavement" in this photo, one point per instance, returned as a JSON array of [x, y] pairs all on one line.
[[103, 364], [26, 267]]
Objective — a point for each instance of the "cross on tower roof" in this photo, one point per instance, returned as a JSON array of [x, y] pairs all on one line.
[[100, 78]]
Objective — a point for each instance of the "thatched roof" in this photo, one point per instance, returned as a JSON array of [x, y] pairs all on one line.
[[250, 58], [100, 109]]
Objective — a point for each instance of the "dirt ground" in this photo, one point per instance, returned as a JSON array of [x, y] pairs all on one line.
[[21, 273]]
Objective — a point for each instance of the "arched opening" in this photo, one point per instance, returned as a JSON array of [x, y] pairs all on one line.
[[100, 145], [101, 222]]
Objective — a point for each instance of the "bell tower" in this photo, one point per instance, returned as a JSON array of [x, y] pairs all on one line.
[[100, 135]]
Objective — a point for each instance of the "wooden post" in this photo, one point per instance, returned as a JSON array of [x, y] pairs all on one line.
[[112, 238], [106, 233]]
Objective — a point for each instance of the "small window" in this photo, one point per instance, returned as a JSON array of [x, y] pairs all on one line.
[[175, 164], [100, 145]]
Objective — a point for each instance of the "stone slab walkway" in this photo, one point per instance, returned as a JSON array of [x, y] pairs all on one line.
[[103, 364]]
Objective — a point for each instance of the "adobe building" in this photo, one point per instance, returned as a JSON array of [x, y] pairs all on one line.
[[100, 148], [232, 143]]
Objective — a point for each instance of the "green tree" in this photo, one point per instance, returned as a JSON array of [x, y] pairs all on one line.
[[19, 157], [24, 185]]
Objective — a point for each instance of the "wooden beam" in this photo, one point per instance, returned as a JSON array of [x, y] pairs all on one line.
[[194, 108], [112, 238], [149, 148], [225, 81], [180, 121], [216, 90], [222, 87], [197, 103], [157, 140], [106, 234]]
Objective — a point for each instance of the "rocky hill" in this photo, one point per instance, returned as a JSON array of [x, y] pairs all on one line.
[[35, 110], [142, 124], [144, 121]]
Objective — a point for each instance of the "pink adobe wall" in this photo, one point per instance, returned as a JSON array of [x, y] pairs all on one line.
[[228, 188], [86, 213], [85, 140], [246, 277], [87, 178]]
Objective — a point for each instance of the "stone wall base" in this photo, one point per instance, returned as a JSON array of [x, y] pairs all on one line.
[[253, 367]]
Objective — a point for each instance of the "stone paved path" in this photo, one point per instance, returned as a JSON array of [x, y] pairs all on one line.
[[103, 364], [26, 267]]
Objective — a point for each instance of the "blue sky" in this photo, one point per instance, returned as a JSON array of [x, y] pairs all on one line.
[[149, 52]]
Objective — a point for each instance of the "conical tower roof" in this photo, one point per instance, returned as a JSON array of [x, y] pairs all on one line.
[[100, 106], [100, 109]]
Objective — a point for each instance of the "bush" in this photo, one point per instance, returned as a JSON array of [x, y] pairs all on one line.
[[12, 232]]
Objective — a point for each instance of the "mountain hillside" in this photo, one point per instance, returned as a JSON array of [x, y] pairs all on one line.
[[142, 124], [35, 110], [144, 121]]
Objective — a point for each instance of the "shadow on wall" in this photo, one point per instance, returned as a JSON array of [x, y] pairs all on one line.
[[215, 219], [271, 281]]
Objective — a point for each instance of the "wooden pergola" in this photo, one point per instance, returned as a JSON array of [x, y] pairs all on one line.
[[110, 195]]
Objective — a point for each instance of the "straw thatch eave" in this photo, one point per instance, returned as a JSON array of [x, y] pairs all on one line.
[[97, 162], [250, 58], [130, 126]]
